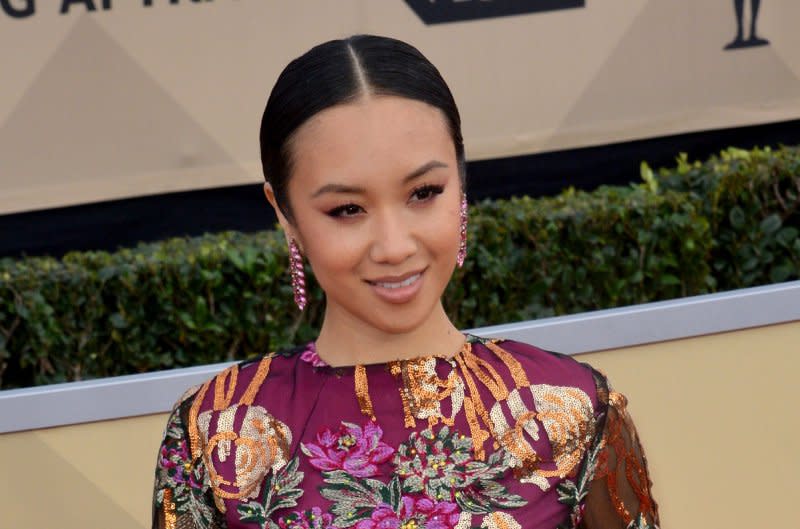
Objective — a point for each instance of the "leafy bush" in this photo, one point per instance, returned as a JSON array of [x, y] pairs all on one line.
[[752, 202], [578, 251], [218, 297], [175, 303]]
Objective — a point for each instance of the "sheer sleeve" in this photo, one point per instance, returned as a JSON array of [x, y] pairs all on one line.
[[619, 494], [182, 497]]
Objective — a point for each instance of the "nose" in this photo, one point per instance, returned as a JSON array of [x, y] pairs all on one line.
[[393, 240]]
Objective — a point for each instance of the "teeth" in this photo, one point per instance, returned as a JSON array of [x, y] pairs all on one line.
[[401, 284]]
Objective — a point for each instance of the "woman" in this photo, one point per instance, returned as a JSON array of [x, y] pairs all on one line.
[[392, 418]]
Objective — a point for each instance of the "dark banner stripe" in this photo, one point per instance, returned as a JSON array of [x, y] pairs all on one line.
[[109, 225]]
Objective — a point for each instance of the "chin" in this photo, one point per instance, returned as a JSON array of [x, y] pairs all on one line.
[[396, 326], [393, 321]]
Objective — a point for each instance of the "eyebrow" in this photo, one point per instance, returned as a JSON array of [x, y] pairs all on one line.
[[342, 188]]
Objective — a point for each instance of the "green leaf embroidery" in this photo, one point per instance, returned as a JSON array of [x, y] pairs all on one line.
[[354, 499], [280, 491], [442, 466]]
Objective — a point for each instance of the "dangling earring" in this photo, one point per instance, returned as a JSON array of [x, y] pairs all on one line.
[[462, 247], [298, 275]]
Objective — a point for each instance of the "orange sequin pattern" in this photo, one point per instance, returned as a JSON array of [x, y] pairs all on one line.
[[624, 456], [261, 444], [170, 518]]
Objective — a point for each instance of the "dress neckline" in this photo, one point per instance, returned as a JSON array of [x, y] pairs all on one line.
[[310, 356]]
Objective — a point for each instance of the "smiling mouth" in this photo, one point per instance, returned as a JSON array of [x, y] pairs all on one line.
[[398, 283]]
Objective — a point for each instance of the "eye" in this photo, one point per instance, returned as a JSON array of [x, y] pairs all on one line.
[[426, 192], [345, 210]]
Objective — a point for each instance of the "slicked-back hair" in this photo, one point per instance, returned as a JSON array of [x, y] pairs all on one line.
[[342, 71]]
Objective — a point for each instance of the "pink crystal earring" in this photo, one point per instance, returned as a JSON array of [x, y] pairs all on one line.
[[462, 247], [298, 275]]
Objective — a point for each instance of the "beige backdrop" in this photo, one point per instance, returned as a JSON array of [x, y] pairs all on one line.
[[717, 414], [135, 101]]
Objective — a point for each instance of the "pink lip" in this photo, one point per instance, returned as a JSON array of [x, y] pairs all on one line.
[[401, 294], [395, 279]]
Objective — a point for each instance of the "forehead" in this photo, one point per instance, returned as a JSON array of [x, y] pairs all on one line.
[[371, 138]]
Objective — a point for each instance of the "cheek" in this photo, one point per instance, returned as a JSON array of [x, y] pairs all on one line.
[[332, 251], [444, 239], [453, 220]]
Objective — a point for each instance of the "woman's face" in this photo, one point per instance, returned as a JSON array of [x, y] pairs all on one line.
[[375, 195]]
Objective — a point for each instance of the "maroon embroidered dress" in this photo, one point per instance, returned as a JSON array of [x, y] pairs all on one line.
[[501, 436]]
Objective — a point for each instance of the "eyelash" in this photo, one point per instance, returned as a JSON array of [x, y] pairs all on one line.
[[339, 211], [350, 210], [431, 190]]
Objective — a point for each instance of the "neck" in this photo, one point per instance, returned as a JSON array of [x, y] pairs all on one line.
[[345, 340]]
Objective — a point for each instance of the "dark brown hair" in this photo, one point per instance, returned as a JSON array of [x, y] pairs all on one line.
[[340, 71]]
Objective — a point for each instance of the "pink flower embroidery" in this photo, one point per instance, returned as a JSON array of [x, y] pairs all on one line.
[[177, 463], [311, 519], [423, 511], [353, 449], [310, 356]]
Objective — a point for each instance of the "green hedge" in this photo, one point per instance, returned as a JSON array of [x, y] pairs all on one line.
[[579, 251], [176, 303], [752, 202], [195, 301]]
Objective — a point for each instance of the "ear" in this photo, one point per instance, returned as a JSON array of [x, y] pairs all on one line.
[[288, 230]]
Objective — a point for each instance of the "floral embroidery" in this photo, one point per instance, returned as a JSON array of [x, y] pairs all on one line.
[[353, 449], [573, 493], [354, 499], [261, 445], [175, 460], [310, 356], [181, 485], [443, 466], [567, 416], [611, 443], [435, 479], [281, 491], [312, 518], [413, 513]]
